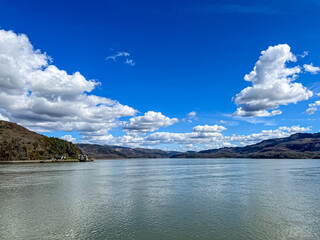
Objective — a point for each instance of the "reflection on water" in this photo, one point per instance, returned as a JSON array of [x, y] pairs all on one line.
[[161, 199]]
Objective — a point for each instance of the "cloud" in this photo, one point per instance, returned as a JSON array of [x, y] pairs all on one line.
[[280, 132], [203, 137], [304, 54], [199, 135], [311, 69], [128, 61], [192, 114], [272, 84], [311, 110], [149, 122], [207, 128], [69, 138], [119, 54], [40, 96], [313, 107], [3, 118], [260, 113]]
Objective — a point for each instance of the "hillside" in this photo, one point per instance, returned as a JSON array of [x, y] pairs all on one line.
[[18, 143], [114, 152], [299, 145]]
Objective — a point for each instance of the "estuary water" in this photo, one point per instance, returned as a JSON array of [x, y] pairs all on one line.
[[161, 199]]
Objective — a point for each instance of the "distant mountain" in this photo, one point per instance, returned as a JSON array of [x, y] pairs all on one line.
[[299, 145], [18, 143], [113, 152]]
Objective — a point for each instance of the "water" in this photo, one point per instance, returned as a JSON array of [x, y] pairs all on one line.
[[161, 199]]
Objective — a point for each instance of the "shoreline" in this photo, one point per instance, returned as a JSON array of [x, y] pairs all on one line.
[[38, 161]]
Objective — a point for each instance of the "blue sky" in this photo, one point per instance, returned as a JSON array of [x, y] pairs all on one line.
[[185, 56]]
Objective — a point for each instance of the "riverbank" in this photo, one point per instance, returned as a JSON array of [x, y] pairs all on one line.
[[39, 161]]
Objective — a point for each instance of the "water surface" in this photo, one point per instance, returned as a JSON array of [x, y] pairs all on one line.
[[161, 199]]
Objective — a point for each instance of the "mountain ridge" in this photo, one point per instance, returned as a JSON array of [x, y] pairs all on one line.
[[97, 151], [298, 145], [19, 143]]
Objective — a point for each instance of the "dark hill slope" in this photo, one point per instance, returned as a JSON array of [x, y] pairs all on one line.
[[299, 145], [18, 143], [112, 152]]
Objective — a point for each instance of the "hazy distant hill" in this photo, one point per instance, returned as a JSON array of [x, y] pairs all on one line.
[[299, 145], [111, 152], [18, 143]]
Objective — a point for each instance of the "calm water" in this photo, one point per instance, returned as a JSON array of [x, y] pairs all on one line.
[[161, 199]]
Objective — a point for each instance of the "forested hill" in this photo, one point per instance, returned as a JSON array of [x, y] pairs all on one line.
[[18, 143]]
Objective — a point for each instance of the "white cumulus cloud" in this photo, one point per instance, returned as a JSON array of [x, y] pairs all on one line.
[[205, 137], [69, 138], [190, 117], [272, 84], [207, 128], [313, 107], [149, 122], [192, 114], [40, 96], [311, 69], [280, 132]]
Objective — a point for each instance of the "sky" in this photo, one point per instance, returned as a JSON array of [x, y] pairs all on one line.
[[174, 75]]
